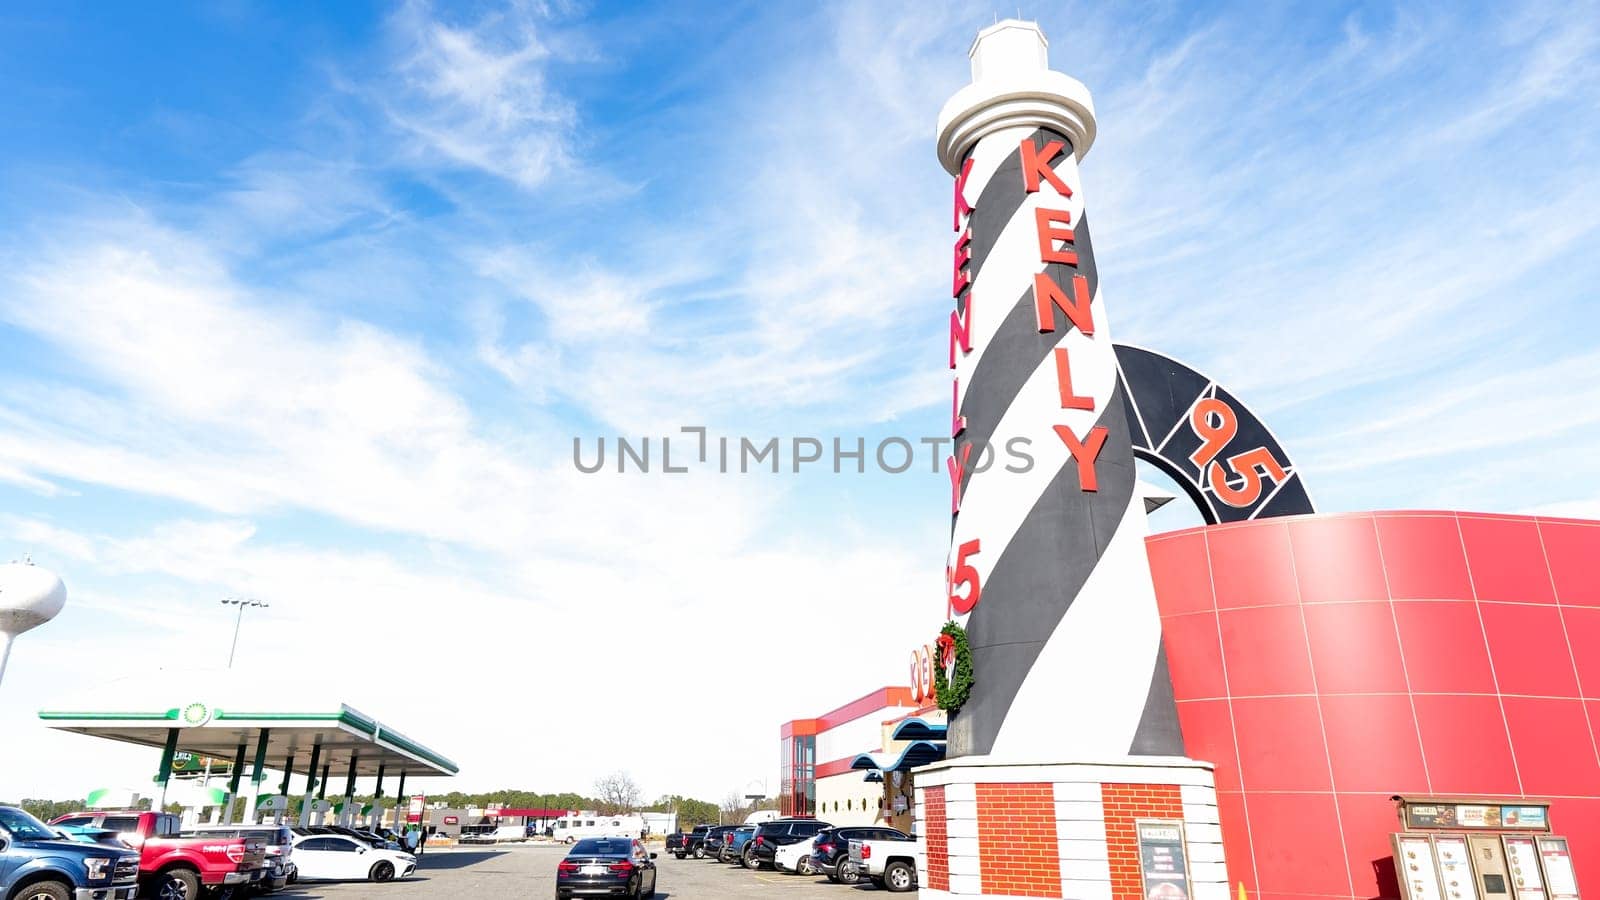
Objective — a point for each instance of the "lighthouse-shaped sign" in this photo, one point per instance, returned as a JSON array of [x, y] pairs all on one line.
[[1047, 565]]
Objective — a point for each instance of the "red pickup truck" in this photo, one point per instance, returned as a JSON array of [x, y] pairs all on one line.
[[173, 867]]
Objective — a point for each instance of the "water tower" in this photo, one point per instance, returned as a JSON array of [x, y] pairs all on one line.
[[29, 597]]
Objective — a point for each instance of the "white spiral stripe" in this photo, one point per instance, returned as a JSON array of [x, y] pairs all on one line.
[[1008, 271], [987, 157], [1108, 638], [997, 502]]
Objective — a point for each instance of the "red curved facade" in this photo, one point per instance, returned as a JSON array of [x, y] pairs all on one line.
[[1327, 663]]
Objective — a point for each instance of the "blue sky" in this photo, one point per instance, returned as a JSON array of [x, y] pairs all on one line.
[[307, 302]]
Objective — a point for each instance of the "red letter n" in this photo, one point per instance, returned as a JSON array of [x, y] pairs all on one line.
[[1048, 294], [961, 330], [1036, 165], [1085, 453]]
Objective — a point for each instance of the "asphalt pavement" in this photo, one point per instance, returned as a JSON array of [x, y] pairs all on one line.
[[529, 870]]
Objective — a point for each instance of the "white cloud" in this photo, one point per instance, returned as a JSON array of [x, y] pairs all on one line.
[[476, 95]]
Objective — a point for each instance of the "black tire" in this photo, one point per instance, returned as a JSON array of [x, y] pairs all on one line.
[[680, 855], [848, 873], [700, 852], [899, 877], [176, 884], [45, 890], [750, 862], [381, 872], [832, 878], [635, 885], [804, 867]]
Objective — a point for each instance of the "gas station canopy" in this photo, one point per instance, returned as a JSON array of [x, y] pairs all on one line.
[[350, 741]]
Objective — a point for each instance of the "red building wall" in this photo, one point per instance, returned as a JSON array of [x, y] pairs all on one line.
[[1326, 663]]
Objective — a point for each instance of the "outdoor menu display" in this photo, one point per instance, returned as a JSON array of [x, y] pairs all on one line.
[[1562, 881], [1476, 815], [1523, 859], [1455, 867], [1416, 866], [1162, 862]]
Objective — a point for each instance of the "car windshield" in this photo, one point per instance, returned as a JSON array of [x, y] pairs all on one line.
[[24, 827], [602, 847]]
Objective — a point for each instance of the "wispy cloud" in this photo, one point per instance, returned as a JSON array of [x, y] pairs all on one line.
[[475, 94]]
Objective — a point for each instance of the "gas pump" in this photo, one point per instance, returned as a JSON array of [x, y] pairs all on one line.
[[319, 809], [274, 806], [1480, 849]]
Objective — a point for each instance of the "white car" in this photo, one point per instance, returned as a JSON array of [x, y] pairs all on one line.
[[795, 857], [334, 857]]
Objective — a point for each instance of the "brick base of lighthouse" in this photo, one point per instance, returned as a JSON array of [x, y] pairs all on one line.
[[992, 828]]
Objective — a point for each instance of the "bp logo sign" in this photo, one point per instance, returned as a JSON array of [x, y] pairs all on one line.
[[194, 715]]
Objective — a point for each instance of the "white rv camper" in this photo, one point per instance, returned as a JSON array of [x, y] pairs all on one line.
[[589, 825]]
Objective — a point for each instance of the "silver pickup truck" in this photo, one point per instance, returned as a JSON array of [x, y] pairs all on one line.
[[888, 863]]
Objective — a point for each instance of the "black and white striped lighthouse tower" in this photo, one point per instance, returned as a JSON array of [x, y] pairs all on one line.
[[1065, 638], [1065, 767]]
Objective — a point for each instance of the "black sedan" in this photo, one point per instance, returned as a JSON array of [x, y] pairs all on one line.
[[611, 867]]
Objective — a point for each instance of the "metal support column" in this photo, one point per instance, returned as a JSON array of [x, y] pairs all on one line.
[[311, 781], [283, 789], [348, 815], [165, 775], [399, 798], [258, 774], [377, 799], [233, 783]]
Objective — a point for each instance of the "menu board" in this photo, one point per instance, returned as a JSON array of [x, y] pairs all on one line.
[[1476, 815], [1536, 817], [1415, 864], [1455, 867], [1523, 861], [1563, 882], [1162, 862]]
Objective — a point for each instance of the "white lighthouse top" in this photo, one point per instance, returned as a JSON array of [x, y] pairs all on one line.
[[1012, 48], [29, 597], [1013, 86]]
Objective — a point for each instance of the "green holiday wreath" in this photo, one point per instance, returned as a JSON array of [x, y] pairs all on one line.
[[952, 671]]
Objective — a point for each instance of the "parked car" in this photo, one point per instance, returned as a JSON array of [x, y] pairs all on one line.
[[173, 867], [339, 857], [886, 862], [769, 836], [361, 834], [607, 866], [88, 834], [37, 863], [279, 841], [683, 843], [733, 844], [711, 844], [830, 853], [795, 858]]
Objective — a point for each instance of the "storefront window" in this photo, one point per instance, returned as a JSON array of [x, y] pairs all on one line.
[[798, 793]]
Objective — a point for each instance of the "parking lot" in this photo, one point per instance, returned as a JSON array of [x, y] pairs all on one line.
[[529, 870]]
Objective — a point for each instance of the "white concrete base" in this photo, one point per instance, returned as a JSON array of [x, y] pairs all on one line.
[[1078, 820]]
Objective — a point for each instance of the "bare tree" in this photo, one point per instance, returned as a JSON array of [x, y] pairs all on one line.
[[733, 808], [617, 793]]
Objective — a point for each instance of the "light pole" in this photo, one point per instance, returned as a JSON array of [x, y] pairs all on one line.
[[240, 602]]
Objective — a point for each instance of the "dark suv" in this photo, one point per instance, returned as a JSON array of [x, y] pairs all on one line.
[[711, 844], [770, 836], [832, 854]]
